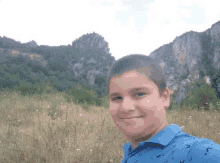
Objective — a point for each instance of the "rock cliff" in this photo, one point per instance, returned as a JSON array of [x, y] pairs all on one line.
[[32, 44], [183, 57], [95, 54]]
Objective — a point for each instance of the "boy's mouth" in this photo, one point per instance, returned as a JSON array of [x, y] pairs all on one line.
[[133, 117]]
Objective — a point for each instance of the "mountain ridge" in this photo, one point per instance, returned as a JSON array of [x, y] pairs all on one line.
[[88, 58]]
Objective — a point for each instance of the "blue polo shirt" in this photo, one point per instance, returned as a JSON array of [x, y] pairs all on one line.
[[171, 145]]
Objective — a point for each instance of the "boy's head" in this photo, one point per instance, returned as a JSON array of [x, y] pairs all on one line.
[[138, 117], [140, 63]]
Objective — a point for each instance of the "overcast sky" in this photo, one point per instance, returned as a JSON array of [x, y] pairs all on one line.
[[129, 26]]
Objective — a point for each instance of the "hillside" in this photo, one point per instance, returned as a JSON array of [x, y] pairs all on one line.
[[88, 60]]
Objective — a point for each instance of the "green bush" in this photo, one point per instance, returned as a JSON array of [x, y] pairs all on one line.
[[197, 96], [26, 88], [44, 90], [172, 102], [38, 89], [48, 89], [105, 101], [82, 94]]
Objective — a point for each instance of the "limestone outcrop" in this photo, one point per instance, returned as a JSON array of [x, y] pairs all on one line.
[[182, 57]]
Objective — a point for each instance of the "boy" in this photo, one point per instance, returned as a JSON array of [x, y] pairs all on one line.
[[142, 118]]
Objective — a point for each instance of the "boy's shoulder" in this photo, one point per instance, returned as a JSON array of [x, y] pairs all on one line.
[[173, 145]]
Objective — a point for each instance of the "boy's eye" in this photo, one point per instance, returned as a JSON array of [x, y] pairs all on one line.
[[119, 96]]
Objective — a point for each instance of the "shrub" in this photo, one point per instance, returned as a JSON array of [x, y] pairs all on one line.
[[200, 96], [26, 88], [82, 94], [172, 102]]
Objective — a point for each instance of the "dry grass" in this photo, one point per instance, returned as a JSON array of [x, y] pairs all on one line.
[[52, 130]]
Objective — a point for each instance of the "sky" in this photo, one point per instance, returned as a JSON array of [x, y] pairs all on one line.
[[129, 26]]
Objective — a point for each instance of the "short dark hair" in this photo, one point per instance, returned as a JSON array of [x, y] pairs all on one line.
[[142, 64]]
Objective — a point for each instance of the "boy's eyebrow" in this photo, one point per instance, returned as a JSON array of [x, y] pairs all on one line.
[[134, 89]]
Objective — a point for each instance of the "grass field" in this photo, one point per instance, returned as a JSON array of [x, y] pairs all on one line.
[[48, 129]]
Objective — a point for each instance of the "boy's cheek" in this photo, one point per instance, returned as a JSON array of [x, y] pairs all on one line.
[[112, 113]]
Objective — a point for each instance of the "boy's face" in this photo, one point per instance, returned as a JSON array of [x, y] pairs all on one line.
[[137, 113]]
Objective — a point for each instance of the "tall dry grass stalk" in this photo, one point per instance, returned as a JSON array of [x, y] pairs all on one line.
[[52, 130]]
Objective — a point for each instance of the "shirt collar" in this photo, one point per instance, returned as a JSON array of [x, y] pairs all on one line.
[[164, 137]]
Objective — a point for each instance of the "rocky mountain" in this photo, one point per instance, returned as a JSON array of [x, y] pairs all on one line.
[[185, 56], [96, 54], [10, 43], [92, 41], [88, 59], [31, 44]]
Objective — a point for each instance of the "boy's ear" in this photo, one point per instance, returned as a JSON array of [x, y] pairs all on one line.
[[165, 95]]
